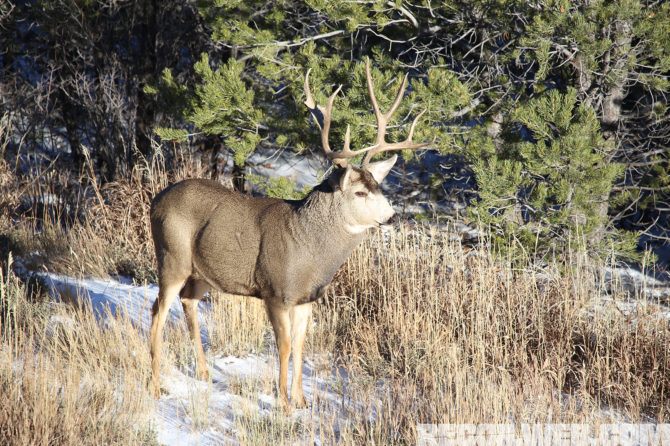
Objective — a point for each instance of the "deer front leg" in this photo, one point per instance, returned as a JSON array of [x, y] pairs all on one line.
[[281, 324], [300, 317]]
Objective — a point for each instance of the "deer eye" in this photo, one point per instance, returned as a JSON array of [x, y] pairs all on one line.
[[361, 194]]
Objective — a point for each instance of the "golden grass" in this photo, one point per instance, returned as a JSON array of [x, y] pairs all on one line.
[[427, 332], [465, 338], [237, 325], [256, 429], [72, 224], [66, 380]]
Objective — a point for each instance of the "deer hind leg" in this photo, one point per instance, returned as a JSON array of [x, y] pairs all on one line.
[[190, 295], [167, 292], [281, 324], [300, 318]]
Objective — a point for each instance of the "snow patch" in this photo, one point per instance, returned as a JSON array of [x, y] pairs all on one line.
[[195, 412]]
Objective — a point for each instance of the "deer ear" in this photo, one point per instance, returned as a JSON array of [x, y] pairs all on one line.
[[345, 179], [380, 169]]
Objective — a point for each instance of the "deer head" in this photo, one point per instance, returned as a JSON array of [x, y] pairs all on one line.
[[364, 204]]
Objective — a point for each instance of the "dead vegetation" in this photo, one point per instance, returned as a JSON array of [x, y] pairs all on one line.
[[64, 379], [466, 338], [426, 331]]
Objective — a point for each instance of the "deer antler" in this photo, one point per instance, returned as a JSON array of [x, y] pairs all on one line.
[[326, 114], [342, 157], [383, 119]]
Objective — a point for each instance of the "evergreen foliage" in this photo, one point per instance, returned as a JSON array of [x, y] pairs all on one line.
[[546, 173], [543, 190], [280, 187], [559, 108]]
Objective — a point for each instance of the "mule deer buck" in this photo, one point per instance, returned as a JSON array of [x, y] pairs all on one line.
[[283, 252]]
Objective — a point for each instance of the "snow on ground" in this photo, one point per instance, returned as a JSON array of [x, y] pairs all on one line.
[[638, 283], [112, 295], [305, 170], [643, 294], [196, 412]]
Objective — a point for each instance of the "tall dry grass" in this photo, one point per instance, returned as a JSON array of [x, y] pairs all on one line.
[[464, 337], [426, 332], [64, 379]]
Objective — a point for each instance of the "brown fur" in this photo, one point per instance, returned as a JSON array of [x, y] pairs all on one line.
[[284, 252]]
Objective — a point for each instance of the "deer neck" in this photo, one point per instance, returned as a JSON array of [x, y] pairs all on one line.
[[320, 223]]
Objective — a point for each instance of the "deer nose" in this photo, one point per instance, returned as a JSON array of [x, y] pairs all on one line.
[[393, 220]]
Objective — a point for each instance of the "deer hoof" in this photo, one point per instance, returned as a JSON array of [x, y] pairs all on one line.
[[159, 391], [300, 402], [202, 374]]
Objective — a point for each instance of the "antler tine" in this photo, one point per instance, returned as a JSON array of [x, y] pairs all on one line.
[[383, 119], [413, 126], [309, 99], [398, 98], [371, 91], [407, 144], [347, 140], [327, 117]]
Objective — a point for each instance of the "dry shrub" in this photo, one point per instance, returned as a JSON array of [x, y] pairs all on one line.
[[258, 429], [237, 325], [624, 361], [427, 332], [10, 194], [72, 224]]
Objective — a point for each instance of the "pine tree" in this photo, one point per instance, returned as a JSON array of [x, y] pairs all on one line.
[[549, 103], [542, 191], [275, 61]]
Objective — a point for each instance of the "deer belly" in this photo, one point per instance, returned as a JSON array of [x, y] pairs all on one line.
[[316, 294], [229, 279]]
